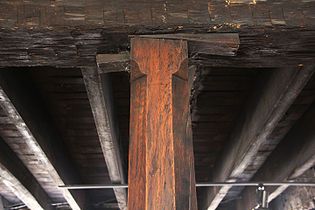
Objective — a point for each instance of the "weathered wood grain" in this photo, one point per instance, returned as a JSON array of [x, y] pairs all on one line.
[[98, 13], [39, 138], [291, 117], [100, 96], [67, 47], [219, 44], [20, 181], [160, 155], [108, 63], [293, 156], [264, 111], [64, 92]]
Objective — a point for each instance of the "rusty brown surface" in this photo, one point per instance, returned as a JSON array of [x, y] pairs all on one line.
[[160, 152]]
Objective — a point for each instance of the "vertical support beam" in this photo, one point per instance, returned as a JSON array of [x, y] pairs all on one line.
[[161, 170], [101, 101]]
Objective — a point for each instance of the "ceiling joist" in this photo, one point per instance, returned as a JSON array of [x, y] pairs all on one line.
[[100, 96], [20, 181], [267, 106], [41, 141], [293, 156]]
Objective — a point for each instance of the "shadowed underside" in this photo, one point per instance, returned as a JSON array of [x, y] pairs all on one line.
[[66, 93]]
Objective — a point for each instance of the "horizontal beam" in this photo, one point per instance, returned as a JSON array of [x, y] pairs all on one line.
[[108, 63], [220, 44], [157, 14], [268, 104], [77, 47]]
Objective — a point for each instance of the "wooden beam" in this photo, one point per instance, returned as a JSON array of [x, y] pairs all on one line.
[[259, 47], [108, 63], [293, 156], [158, 14], [265, 109], [22, 105], [100, 96], [20, 181], [161, 173], [220, 44]]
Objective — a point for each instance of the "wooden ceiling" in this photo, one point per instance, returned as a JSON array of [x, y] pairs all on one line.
[[221, 98], [249, 109]]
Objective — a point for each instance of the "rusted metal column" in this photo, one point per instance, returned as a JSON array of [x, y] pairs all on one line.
[[161, 169]]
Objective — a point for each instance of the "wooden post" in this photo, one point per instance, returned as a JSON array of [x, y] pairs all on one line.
[[161, 169]]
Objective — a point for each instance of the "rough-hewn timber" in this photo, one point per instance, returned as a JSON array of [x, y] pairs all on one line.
[[264, 111], [162, 13], [220, 44], [293, 156], [108, 63], [100, 96], [39, 139], [68, 47], [161, 174], [17, 178]]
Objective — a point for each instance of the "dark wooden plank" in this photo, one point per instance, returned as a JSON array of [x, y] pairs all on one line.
[[113, 62], [20, 181], [161, 174], [100, 96], [216, 14], [265, 109], [293, 156], [22, 104], [78, 47], [220, 44]]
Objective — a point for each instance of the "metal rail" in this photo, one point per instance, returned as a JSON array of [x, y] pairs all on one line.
[[208, 184]]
